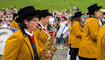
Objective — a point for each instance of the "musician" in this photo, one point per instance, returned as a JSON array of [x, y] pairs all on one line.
[[20, 45], [88, 46], [101, 44], [41, 33], [76, 34], [100, 41]]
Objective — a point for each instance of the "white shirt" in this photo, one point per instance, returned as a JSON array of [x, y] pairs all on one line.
[[31, 34], [100, 22], [41, 25], [51, 20]]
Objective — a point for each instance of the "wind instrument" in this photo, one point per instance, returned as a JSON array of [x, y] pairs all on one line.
[[49, 49]]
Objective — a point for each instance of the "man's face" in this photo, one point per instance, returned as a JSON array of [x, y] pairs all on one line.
[[46, 20], [97, 14], [32, 24]]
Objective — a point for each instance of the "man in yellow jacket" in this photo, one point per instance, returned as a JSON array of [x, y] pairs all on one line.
[[101, 44], [76, 35], [41, 33], [20, 45], [88, 46]]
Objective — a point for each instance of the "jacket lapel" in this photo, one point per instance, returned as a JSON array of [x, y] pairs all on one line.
[[27, 41]]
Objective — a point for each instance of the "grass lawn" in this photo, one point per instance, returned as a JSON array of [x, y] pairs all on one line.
[[51, 4]]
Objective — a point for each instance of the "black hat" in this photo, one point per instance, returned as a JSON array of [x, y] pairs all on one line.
[[25, 12], [93, 8], [45, 13], [77, 14]]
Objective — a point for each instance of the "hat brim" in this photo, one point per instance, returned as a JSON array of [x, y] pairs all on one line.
[[50, 14], [20, 19], [47, 14], [99, 8]]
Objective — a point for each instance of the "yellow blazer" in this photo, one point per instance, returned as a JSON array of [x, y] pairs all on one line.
[[76, 34], [14, 25], [18, 47], [88, 46], [41, 38], [101, 44]]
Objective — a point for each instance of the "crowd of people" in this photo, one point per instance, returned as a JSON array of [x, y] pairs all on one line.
[[38, 31]]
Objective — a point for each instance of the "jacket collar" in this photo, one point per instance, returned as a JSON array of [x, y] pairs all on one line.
[[27, 41], [31, 34]]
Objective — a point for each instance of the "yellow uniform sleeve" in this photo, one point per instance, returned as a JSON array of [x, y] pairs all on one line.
[[12, 48], [94, 30]]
